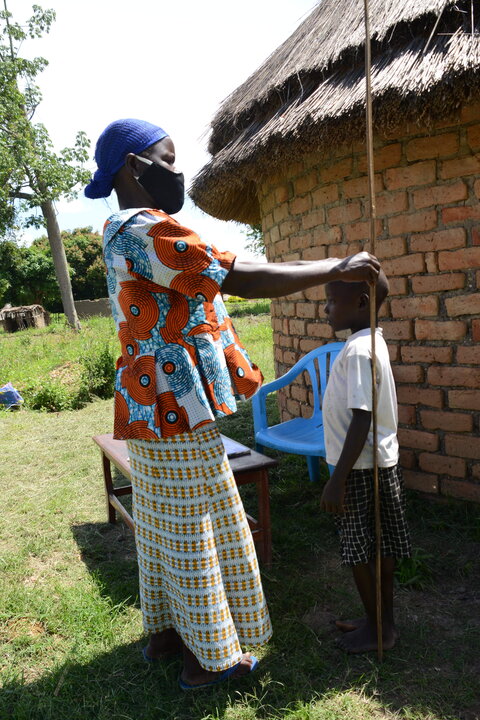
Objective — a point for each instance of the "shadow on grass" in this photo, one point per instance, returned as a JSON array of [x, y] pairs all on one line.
[[108, 551]]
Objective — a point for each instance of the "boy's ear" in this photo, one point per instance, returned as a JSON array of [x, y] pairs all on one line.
[[363, 301]]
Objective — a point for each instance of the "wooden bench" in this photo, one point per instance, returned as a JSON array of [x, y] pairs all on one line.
[[248, 466]]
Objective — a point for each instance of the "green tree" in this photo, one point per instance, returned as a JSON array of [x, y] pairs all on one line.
[[32, 175], [83, 249], [27, 276], [255, 242]]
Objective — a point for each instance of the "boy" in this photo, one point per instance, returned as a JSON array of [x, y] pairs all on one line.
[[347, 413]]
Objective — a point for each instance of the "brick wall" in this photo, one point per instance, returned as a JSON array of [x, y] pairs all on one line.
[[428, 190]]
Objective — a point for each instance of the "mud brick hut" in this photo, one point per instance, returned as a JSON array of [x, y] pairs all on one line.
[[288, 151], [23, 317]]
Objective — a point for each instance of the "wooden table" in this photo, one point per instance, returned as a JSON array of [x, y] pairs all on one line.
[[247, 468]]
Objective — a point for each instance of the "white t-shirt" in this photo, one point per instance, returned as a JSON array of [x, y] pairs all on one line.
[[350, 387]]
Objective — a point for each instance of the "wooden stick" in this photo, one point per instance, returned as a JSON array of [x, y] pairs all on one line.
[[373, 325]]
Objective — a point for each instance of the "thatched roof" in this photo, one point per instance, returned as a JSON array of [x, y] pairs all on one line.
[[309, 94], [21, 310]]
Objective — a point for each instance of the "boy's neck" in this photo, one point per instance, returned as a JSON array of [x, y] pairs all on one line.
[[362, 325]]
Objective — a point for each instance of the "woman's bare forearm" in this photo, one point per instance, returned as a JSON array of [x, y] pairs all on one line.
[[255, 280]]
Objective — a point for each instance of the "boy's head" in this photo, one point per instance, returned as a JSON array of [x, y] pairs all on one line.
[[348, 303]]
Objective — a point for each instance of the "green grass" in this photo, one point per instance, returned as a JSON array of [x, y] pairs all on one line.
[[70, 623]]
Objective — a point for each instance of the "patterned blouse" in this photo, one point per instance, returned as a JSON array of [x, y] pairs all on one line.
[[182, 363]]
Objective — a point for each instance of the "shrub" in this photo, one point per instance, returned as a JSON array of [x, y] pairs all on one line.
[[98, 376], [50, 396]]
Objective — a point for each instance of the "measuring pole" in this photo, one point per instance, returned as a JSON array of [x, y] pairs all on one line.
[[373, 325]]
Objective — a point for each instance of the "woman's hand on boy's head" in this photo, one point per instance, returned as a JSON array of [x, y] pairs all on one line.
[[333, 497], [361, 267]]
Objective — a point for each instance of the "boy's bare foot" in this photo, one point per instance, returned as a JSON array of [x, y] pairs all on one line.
[[163, 645], [199, 676], [364, 639], [349, 625]]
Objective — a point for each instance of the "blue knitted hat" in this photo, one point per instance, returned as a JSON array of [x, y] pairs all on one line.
[[116, 141]]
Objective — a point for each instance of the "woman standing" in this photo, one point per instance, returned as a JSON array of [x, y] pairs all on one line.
[[182, 365]]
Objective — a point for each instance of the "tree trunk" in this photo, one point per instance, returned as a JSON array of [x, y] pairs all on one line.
[[60, 263]]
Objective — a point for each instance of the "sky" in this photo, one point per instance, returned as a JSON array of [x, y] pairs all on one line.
[[169, 63]]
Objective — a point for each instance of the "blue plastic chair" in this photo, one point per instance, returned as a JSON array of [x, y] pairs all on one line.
[[300, 436]]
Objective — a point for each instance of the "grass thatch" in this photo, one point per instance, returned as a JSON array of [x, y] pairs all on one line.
[[310, 93]]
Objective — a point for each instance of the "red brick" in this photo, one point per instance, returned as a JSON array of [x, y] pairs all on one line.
[[319, 330], [298, 392], [426, 354], [431, 262], [464, 446], [293, 407], [289, 358], [316, 294], [416, 222], [330, 236], [463, 304], [475, 240], [341, 169], [406, 414], [283, 193], [440, 194], [464, 399], [446, 420], [300, 205], [307, 344], [418, 439], [390, 203], [361, 231], [423, 482], [441, 330], [317, 252], [437, 283], [397, 329], [387, 156], [408, 373], [440, 240], [344, 213], [391, 248], [476, 330], [407, 458], [305, 183], [413, 307], [398, 285], [460, 167], [306, 310], [476, 188], [468, 355], [289, 227], [314, 218], [442, 465], [470, 113], [464, 376], [473, 137], [420, 396], [459, 489], [407, 265], [432, 147], [280, 213], [460, 213], [393, 352], [325, 195], [300, 242], [422, 173], [358, 187], [476, 470]]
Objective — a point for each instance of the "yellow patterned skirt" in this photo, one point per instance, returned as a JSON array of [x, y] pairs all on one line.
[[197, 563]]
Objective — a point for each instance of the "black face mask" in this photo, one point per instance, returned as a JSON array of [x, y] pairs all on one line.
[[167, 188]]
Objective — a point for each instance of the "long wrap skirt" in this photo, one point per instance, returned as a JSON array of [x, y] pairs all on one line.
[[197, 563]]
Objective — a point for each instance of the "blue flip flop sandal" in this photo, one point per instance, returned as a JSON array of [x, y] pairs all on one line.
[[220, 678]]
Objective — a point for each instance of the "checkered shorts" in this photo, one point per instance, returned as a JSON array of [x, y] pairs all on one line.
[[357, 526]]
